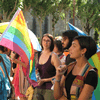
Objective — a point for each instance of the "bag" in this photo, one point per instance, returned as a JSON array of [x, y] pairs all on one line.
[[29, 93], [23, 81]]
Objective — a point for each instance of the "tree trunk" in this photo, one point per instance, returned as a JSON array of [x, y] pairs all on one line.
[[5, 19], [50, 24], [40, 25], [87, 30], [66, 20], [73, 12], [53, 27]]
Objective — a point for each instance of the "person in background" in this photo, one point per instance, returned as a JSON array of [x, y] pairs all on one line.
[[67, 38], [79, 78], [58, 49], [17, 61], [8, 67], [13, 55], [7, 51], [46, 66]]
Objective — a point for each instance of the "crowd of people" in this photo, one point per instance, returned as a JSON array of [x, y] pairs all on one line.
[[62, 69]]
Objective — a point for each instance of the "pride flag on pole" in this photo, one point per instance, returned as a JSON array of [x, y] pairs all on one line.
[[16, 38], [76, 29], [95, 62]]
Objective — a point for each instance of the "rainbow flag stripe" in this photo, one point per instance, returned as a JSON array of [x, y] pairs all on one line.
[[95, 62], [16, 38]]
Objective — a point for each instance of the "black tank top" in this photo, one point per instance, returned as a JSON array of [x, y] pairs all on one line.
[[68, 82]]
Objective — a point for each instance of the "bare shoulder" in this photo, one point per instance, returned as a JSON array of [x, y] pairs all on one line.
[[55, 60], [54, 55]]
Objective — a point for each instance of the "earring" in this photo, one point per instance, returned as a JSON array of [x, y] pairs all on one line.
[[82, 55]]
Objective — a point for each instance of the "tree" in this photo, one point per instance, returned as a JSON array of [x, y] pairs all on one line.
[[88, 12], [40, 9], [60, 10], [9, 7]]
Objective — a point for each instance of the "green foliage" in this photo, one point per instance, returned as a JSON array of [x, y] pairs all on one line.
[[39, 39], [59, 10], [41, 8], [9, 5], [88, 12], [96, 36]]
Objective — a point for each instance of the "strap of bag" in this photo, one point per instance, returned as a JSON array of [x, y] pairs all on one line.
[[70, 67], [1, 59], [2, 71]]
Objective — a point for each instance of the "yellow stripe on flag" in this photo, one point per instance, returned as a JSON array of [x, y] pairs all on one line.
[[96, 62]]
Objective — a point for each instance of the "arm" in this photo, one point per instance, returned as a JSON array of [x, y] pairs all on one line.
[[41, 81], [58, 87], [86, 92], [19, 62], [55, 62]]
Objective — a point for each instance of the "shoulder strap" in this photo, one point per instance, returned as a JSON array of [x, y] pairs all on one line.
[[52, 53], [2, 71], [88, 69], [70, 67], [85, 70], [1, 60]]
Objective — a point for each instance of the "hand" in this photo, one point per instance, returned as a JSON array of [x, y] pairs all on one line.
[[36, 70], [61, 70], [53, 80], [40, 82], [12, 59]]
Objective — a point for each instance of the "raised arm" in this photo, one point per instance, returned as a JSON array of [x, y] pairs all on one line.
[[19, 62], [58, 87], [59, 82]]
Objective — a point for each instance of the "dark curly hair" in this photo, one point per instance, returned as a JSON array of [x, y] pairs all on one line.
[[70, 34]]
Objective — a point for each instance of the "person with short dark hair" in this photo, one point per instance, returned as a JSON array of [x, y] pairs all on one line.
[[88, 43], [47, 63], [67, 38], [79, 78], [58, 49]]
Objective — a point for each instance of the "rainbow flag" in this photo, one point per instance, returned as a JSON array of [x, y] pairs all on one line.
[[95, 62], [16, 38]]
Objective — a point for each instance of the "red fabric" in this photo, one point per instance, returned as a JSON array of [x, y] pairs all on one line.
[[16, 81]]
